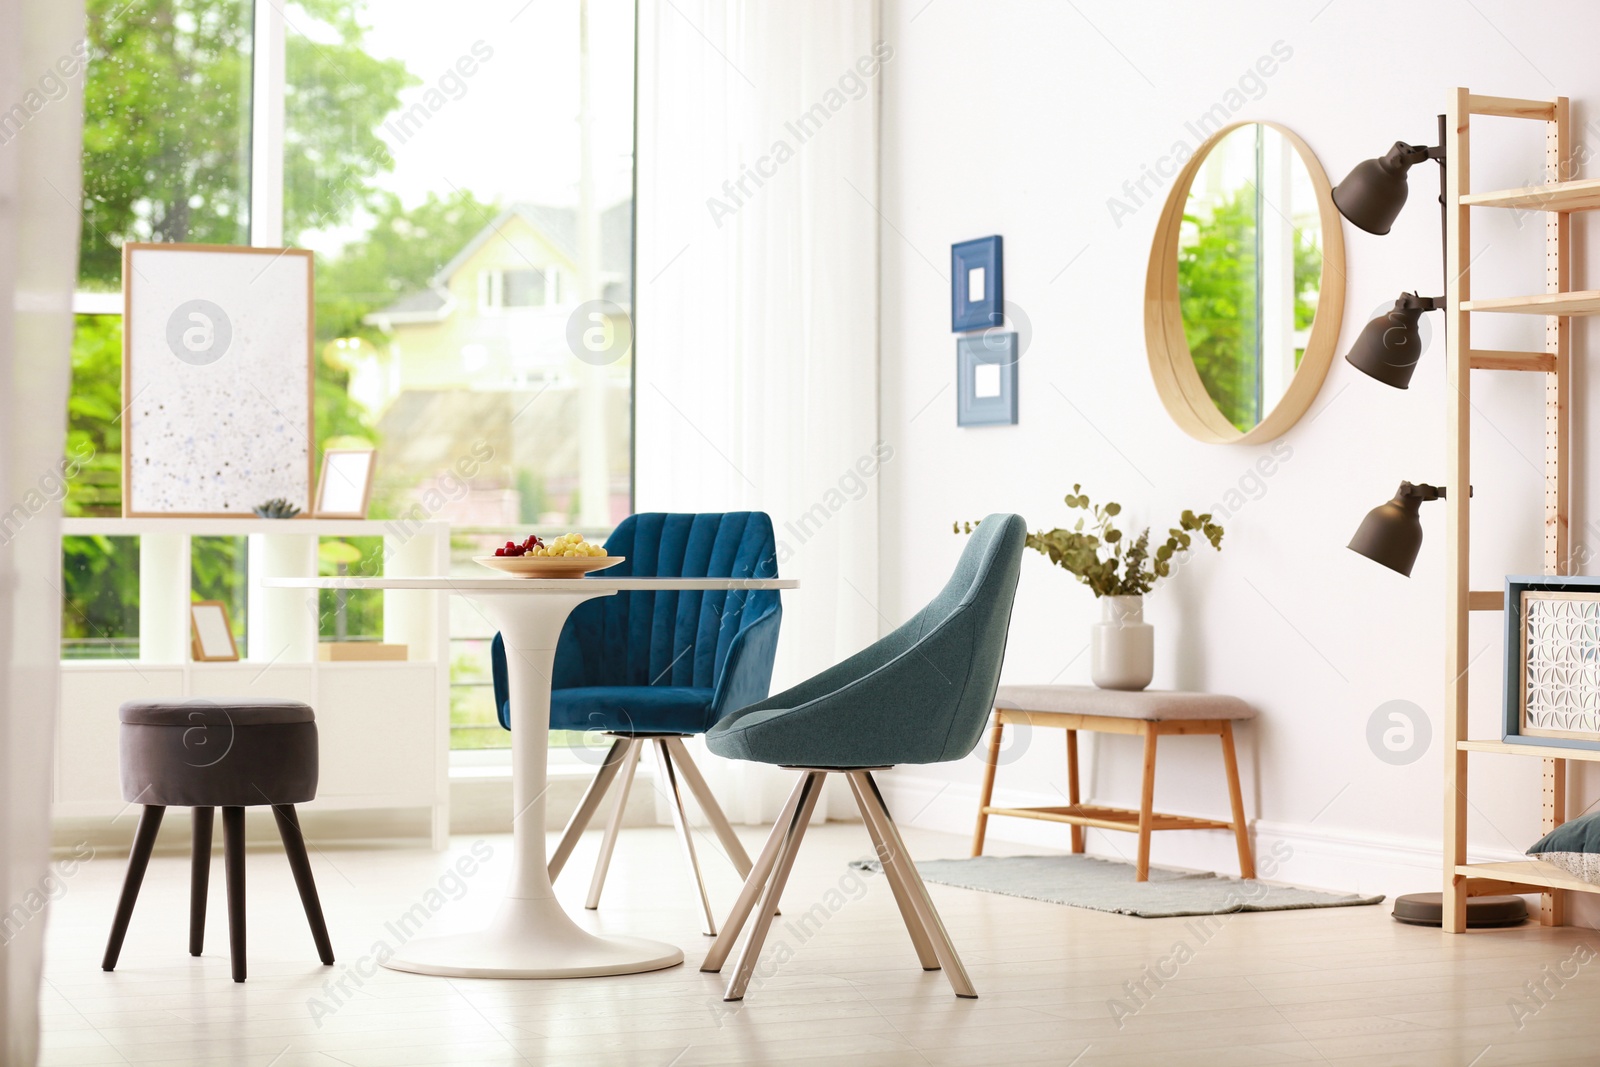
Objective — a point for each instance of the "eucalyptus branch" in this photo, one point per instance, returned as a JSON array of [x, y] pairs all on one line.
[[1097, 553]]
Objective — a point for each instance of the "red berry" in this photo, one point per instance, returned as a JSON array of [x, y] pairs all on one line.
[[499, 551]]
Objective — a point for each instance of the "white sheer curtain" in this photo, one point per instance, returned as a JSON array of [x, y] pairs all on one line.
[[41, 108], [758, 305]]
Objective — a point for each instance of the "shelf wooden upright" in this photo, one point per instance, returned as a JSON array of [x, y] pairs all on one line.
[[1557, 198]]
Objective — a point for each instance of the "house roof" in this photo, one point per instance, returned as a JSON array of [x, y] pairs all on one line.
[[559, 226], [425, 305]]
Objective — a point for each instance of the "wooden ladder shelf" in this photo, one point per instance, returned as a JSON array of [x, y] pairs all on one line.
[[1556, 198]]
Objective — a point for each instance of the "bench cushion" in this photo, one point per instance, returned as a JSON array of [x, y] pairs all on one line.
[[1151, 705]]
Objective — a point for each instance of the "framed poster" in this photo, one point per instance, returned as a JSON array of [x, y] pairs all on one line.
[[1552, 694], [217, 379]]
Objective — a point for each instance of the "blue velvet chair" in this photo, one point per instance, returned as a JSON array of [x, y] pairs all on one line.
[[920, 695], [657, 667]]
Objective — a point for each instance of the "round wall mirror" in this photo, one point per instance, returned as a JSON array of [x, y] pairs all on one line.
[[1245, 291]]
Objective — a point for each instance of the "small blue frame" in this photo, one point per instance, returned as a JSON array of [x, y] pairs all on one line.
[[999, 406], [1516, 585], [977, 286]]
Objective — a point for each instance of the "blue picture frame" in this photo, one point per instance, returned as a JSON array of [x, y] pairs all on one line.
[[986, 380], [977, 285], [1516, 585]]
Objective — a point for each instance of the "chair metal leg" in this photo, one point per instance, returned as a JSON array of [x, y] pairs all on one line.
[[902, 896], [756, 880], [769, 899], [233, 868], [294, 846], [588, 805], [708, 804], [630, 763], [144, 839], [898, 855], [199, 878], [680, 819]]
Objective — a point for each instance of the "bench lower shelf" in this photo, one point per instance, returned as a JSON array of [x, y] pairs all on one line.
[[1108, 818]]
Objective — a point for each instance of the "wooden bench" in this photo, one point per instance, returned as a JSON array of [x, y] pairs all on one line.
[[1149, 714]]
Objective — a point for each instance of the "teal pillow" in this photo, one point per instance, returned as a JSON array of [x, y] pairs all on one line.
[[1574, 847]]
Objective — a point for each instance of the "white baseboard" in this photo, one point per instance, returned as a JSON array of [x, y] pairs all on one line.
[[1305, 855]]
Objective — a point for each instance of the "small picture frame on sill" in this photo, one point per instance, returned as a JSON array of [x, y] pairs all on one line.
[[345, 487], [986, 379], [211, 633], [977, 285]]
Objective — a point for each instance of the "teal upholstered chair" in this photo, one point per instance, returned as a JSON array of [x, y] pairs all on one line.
[[646, 667], [920, 695]]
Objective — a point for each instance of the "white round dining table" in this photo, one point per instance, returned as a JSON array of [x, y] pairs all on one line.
[[531, 935]]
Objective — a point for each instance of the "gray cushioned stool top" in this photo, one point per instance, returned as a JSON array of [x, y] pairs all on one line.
[[1151, 705], [216, 711]]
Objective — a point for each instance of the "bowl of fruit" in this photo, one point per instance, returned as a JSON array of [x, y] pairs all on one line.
[[567, 556]]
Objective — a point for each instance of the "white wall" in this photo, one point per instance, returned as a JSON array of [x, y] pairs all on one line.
[[1023, 119]]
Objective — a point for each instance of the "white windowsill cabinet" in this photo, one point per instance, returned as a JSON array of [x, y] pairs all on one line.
[[383, 727]]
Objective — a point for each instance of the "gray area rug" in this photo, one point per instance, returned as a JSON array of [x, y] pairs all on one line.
[[1108, 885]]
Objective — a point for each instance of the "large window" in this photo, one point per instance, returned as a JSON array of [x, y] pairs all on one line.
[[466, 184]]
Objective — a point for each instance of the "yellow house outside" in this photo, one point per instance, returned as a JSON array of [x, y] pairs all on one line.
[[482, 355]]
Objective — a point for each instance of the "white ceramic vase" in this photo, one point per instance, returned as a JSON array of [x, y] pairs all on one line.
[[1122, 646]]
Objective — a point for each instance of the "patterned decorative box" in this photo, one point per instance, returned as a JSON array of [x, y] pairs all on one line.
[[1552, 692]]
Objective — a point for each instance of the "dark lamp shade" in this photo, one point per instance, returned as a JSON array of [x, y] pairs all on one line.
[[1390, 345], [1391, 534], [1372, 194]]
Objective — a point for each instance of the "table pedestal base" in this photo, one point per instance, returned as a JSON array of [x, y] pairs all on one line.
[[532, 939]]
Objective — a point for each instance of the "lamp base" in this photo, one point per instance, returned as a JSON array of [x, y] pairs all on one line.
[[1483, 913]]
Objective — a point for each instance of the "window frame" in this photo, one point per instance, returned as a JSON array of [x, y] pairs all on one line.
[[265, 199]]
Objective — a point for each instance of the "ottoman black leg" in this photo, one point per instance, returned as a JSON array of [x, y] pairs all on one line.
[[199, 879], [294, 844], [233, 865], [144, 839]]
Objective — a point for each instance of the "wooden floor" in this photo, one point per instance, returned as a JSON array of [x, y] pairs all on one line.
[[1058, 985]]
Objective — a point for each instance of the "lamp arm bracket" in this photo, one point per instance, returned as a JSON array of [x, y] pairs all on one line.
[[1436, 152], [1424, 491], [1412, 154]]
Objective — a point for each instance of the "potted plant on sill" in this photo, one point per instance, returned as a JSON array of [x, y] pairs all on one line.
[[1119, 571]]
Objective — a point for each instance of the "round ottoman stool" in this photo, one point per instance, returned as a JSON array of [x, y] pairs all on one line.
[[223, 753]]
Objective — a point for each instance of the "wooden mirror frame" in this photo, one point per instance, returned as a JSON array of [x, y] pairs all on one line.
[[1172, 364]]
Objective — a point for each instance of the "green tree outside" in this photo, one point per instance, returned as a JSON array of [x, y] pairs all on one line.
[[1217, 297]]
